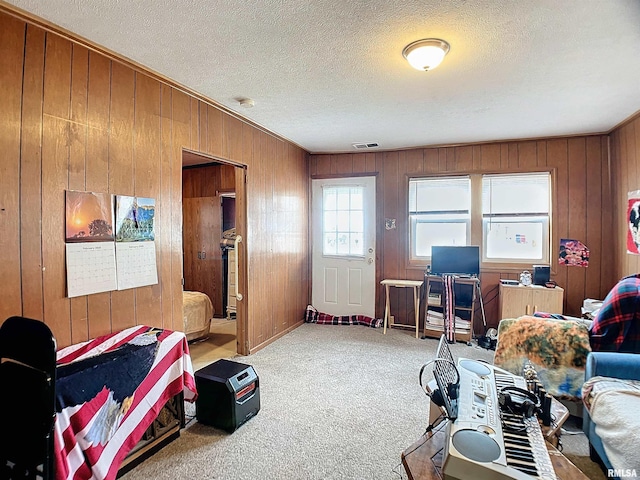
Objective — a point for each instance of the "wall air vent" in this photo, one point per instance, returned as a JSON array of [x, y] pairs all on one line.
[[364, 146]]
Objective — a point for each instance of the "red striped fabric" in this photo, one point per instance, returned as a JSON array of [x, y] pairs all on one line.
[[449, 308], [170, 374]]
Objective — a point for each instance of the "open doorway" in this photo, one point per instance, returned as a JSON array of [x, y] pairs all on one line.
[[211, 254]]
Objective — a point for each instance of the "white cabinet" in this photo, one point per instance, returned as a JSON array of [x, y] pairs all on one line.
[[231, 282], [518, 300]]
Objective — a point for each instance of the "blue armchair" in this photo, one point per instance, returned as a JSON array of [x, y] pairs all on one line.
[[607, 364]]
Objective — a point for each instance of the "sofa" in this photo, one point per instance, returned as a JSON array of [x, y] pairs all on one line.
[[605, 436]]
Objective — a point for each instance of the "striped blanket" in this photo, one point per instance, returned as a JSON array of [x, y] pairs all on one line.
[[449, 308], [109, 390]]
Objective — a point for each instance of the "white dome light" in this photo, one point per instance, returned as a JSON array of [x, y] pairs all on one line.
[[426, 54]]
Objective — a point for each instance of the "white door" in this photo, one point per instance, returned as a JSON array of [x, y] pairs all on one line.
[[344, 235]]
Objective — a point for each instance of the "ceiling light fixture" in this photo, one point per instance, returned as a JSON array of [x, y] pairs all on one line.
[[246, 102], [426, 54]]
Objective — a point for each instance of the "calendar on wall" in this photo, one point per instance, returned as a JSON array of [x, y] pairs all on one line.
[[136, 264], [91, 268], [100, 258]]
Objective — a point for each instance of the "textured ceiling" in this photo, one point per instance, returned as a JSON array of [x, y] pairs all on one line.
[[329, 73]]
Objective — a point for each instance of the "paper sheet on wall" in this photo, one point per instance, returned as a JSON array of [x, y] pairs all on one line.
[[91, 268], [136, 264]]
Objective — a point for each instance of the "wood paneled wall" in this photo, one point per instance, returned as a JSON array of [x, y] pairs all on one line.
[[73, 118], [582, 208], [625, 162]]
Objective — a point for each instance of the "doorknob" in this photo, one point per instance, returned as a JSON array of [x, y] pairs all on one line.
[[370, 260]]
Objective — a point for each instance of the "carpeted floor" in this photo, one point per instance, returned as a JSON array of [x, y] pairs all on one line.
[[337, 402]]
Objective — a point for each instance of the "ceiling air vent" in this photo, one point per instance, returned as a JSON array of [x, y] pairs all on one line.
[[364, 146]]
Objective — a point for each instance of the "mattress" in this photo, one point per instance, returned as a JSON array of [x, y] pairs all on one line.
[[197, 311]]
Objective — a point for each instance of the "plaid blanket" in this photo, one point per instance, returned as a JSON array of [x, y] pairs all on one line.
[[109, 390], [312, 315]]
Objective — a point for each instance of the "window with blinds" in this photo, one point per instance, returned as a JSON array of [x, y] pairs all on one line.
[[439, 213], [512, 224], [516, 212]]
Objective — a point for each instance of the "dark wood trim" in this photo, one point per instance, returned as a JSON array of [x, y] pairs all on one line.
[[214, 159], [344, 175]]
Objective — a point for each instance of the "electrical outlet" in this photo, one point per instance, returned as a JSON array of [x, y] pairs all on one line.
[[391, 319]]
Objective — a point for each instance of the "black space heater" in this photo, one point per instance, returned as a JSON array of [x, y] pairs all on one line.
[[228, 394]]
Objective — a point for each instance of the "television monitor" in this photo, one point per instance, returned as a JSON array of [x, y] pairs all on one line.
[[455, 260]]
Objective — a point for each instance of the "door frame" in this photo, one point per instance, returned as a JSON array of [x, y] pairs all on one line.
[[379, 216], [242, 327]]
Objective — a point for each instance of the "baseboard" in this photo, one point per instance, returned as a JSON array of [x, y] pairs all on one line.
[[275, 337]]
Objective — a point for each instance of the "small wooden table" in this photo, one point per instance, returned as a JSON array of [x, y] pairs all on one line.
[[423, 459], [415, 284]]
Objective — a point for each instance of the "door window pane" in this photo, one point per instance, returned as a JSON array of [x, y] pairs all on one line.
[[343, 220]]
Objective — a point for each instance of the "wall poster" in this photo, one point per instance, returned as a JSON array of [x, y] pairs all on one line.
[[573, 253], [633, 219]]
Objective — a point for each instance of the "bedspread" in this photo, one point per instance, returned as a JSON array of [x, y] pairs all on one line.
[[109, 390], [197, 311]]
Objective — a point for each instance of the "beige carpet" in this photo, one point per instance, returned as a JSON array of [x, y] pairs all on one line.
[[337, 402]]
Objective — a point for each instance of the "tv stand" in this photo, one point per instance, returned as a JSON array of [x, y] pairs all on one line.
[[468, 285]]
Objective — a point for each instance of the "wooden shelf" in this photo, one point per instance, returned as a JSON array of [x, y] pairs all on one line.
[[467, 284]]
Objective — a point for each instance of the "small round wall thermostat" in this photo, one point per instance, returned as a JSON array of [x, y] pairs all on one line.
[[525, 278]]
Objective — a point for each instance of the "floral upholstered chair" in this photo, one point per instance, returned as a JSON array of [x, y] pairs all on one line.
[[557, 349]]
